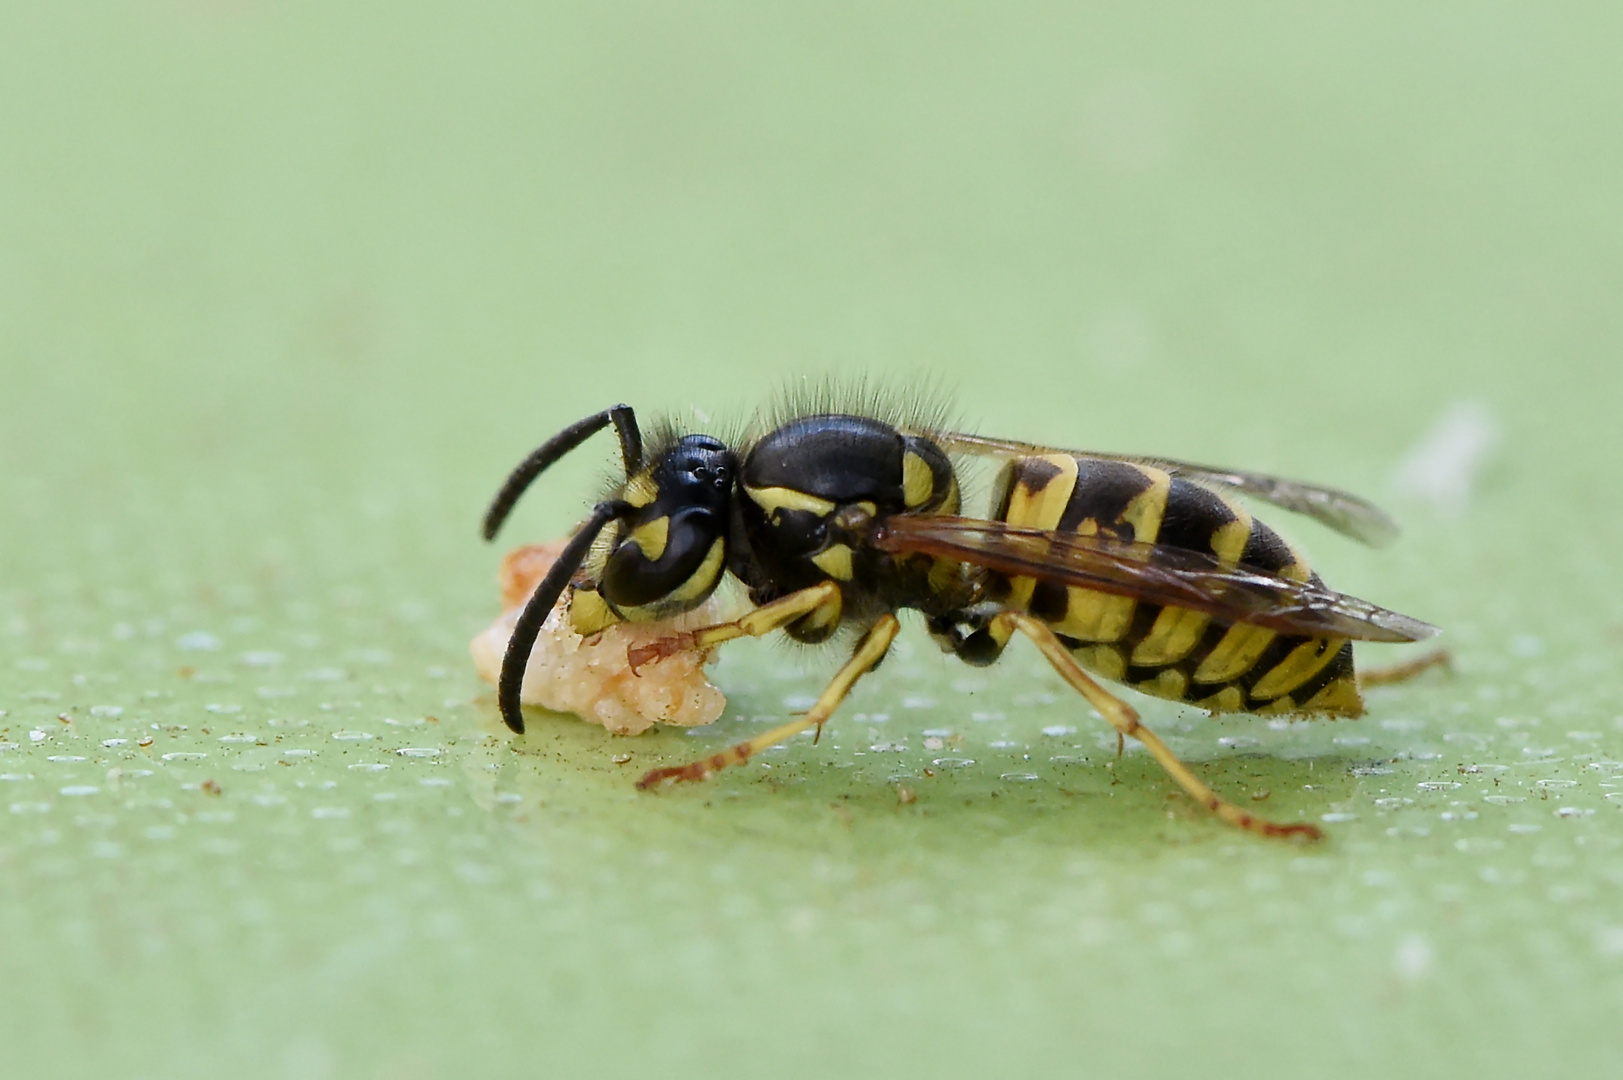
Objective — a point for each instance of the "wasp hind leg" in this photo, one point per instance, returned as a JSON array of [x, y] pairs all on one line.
[[1124, 719], [1405, 670], [869, 652]]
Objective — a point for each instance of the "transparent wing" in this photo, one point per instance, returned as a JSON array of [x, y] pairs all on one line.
[[1155, 573], [1345, 513]]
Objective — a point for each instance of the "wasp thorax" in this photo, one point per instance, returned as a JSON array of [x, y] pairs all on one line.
[[671, 548], [813, 486]]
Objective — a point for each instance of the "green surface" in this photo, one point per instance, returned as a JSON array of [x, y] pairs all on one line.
[[284, 289]]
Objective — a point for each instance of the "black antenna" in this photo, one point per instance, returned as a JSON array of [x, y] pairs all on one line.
[[625, 425], [540, 604]]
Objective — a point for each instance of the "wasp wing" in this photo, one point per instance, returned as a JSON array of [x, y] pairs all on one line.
[[1155, 573], [1345, 513]]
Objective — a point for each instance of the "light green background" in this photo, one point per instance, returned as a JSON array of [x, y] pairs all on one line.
[[285, 288]]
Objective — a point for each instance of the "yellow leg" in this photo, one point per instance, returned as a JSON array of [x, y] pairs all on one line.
[[872, 649], [1405, 671], [763, 620], [1124, 719]]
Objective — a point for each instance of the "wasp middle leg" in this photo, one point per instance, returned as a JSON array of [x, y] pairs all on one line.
[[869, 652]]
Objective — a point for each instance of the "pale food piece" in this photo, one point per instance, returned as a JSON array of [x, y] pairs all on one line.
[[591, 677]]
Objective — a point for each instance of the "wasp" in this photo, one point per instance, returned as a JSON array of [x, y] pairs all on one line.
[[1145, 572]]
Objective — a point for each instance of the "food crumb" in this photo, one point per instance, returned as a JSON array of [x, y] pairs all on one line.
[[591, 677]]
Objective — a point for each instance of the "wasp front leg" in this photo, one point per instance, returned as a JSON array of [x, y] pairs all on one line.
[[869, 652], [819, 604]]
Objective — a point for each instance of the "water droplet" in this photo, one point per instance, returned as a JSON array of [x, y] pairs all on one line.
[[1523, 827], [1372, 770], [1573, 811], [240, 737], [1393, 803], [1018, 777], [109, 712], [80, 789], [1438, 785], [198, 641], [64, 758], [352, 736], [434, 781], [368, 766], [1057, 730], [30, 807], [261, 658], [1237, 742], [184, 755], [300, 753], [1337, 817], [37, 736], [418, 752], [799, 702], [1557, 784], [329, 812], [954, 762], [987, 717], [1502, 800], [1351, 740]]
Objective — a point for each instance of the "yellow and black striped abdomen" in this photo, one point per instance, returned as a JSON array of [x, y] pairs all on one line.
[[1167, 651]]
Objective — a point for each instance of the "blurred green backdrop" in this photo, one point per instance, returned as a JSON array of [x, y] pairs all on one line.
[[285, 288]]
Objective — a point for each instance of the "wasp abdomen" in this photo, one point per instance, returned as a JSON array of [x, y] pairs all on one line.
[[1171, 652]]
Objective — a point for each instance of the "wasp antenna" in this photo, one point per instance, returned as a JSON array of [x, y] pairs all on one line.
[[543, 457], [540, 604]]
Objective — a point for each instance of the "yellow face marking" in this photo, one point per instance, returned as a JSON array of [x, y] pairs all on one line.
[[703, 579], [691, 591], [589, 613], [952, 503], [640, 490], [1340, 698], [1234, 655], [1036, 501], [1302, 663], [918, 480], [774, 499], [651, 537], [835, 561], [1174, 633]]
